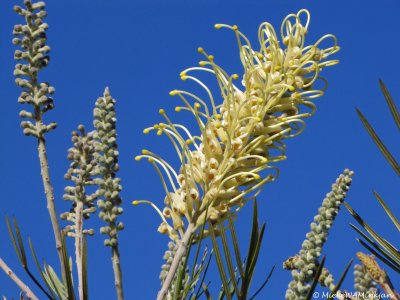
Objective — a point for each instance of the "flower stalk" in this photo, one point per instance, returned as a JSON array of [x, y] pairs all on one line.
[[81, 170], [109, 187]]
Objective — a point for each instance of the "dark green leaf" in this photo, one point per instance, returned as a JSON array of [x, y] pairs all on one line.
[[382, 255], [389, 157], [219, 261], [391, 104], [315, 280], [388, 211], [50, 291], [236, 248], [381, 241], [263, 284], [228, 259], [14, 242], [341, 279]]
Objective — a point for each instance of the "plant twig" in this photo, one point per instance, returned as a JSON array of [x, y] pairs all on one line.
[[79, 246], [29, 294], [117, 272], [48, 190], [183, 244]]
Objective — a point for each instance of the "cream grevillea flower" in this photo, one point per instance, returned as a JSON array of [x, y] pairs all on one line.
[[241, 138]]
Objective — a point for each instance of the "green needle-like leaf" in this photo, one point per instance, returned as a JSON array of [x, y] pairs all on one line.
[[378, 248], [263, 284], [388, 211], [14, 242], [391, 104], [389, 157], [220, 263], [341, 279], [381, 241], [316, 280], [382, 255], [50, 291], [236, 248], [228, 259]]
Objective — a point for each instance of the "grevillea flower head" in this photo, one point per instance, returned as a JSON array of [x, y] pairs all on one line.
[[242, 138]]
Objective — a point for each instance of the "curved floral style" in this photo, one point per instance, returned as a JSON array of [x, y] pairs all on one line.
[[223, 167]]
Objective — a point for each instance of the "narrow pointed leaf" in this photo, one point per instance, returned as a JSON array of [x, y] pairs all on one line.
[[377, 247], [14, 241], [381, 241], [316, 279], [228, 259], [50, 291], [263, 284], [391, 104], [388, 211], [181, 272], [239, 261], [20, 243], [341, 279], [68, 271], [389, 157], [59, 290], [206, 291], [204, 277], [382, 255], [199, 243], [220, 263]]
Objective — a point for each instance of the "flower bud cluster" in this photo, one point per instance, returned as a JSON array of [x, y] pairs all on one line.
[[326, 279], [81, 170], [242, 138], [168, 257], [106, 155], [308, 259], [32, 57], [363, 282]]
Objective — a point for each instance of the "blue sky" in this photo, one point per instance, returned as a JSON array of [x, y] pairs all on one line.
[[138, 49]]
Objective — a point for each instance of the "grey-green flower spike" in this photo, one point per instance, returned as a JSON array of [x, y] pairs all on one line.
[[107, 157], [307, 261], [363, 282], [32, 57], [82, 168], [109, 187]]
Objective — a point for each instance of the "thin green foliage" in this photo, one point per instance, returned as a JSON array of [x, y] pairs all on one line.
[[316, 279], [341, 279]]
